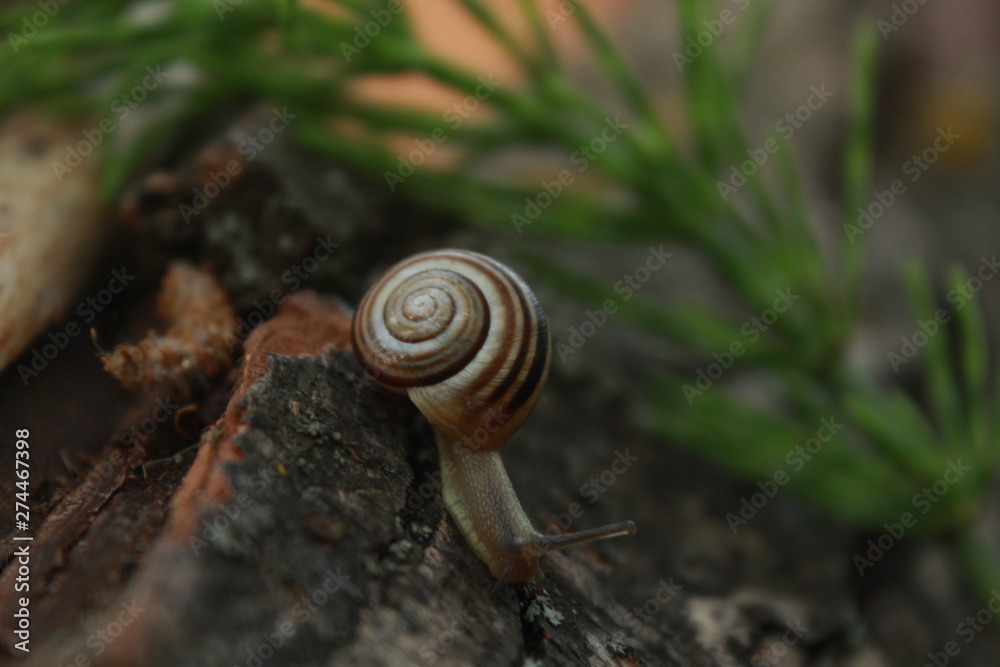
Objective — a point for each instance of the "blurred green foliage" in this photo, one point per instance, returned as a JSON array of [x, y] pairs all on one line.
[[648, 186]]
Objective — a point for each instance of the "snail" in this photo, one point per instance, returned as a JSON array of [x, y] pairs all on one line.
[[464, 337]]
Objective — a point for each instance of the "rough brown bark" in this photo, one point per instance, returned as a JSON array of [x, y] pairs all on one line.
[[292, 541]]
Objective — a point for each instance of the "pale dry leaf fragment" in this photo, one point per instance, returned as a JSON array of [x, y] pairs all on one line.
[[197, 343], [51, 225]]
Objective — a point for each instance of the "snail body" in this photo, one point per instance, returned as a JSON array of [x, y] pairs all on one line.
[[464, 337]]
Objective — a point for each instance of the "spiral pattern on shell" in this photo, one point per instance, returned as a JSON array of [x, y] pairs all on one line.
[[464, 336]]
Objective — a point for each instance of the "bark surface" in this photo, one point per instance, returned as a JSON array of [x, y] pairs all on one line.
[[301, 535]]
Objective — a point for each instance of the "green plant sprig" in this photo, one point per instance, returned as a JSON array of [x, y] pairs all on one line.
[[892, 443]]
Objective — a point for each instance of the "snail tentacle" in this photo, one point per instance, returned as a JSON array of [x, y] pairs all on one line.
[[465, 338]]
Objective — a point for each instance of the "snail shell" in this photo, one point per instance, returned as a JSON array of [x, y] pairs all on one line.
[[464, 336]]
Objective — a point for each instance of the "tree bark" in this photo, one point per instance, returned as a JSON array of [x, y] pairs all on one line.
[[309, 531]]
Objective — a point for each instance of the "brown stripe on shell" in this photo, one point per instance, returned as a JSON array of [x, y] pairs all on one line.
[[504, 288], [538, 363], [402, 381], [523, 375], [517, 362]]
